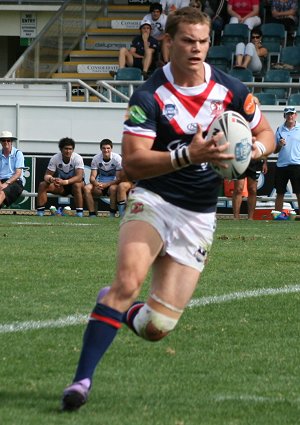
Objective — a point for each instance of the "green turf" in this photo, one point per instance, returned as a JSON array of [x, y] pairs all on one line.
[[234, 362]]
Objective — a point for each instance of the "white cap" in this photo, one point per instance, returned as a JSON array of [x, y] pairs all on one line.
[[6, 135], [145, 22]]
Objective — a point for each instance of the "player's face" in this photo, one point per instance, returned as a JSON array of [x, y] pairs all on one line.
[[67, 152], [188, 50], [106, 151]]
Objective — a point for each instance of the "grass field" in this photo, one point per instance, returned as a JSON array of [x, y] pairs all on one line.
[[233, 359]]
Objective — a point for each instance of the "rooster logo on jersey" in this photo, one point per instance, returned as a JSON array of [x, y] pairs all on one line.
[[216, 107]]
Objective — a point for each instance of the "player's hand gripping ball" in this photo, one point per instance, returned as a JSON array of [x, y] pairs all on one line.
[[237, 132]]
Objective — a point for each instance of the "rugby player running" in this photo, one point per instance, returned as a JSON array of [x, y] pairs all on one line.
[[171, 214]]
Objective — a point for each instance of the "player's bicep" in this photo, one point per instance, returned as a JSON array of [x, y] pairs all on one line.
[[132, 145]]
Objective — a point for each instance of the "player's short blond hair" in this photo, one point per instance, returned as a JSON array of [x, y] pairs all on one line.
[[188, 15]]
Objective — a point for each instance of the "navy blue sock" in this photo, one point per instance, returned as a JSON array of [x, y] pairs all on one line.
[[99, 334]]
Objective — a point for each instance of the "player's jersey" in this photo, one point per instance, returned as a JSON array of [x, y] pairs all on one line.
[[107, 170], [62, 170], [169, 115]]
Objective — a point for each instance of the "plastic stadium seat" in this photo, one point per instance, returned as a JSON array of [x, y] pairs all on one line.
[[274, 49], [267, 98], [277, 76], [244, 75], [126, 74], [233, 34], [297, 37], [220, 56], [291, 56], [129, 74], [274, 32], [294, 99]]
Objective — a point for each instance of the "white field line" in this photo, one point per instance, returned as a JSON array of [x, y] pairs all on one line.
[[254, 399], [197, 302]]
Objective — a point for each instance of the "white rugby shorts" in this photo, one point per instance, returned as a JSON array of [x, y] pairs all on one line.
[[187, 235]]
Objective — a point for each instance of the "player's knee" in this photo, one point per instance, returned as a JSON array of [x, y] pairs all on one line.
[[152, 325]]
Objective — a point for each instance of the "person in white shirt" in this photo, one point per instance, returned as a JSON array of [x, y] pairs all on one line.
[[158, 21], [105, 177], [64, 176]]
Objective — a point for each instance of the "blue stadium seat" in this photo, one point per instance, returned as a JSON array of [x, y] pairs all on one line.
[[278, 76], [294, 99], [233, 34], [220, 56], [244, 75], [267, 98], [274, 32]]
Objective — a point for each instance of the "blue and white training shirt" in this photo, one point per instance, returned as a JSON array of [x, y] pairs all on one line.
[[290, 153]]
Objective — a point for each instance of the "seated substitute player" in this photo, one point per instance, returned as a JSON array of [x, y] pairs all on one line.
[[11, 170], [64, 176], [171, 213], [105, 177]]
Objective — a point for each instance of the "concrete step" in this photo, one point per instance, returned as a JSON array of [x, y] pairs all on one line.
[[112, 32], [95, 56], [128, 10], [89, 78]]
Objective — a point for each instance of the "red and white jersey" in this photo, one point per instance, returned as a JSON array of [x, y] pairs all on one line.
[[169, 115]]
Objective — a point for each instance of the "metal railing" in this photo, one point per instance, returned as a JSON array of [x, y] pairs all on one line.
[[65, 30], [26, 2]]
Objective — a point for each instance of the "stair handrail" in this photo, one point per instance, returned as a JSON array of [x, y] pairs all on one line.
[[34, 69]]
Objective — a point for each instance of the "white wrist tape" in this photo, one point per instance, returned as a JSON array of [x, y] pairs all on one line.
[[261, 147], [180, 157]]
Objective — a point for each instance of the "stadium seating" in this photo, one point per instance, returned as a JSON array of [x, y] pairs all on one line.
[[233, 34], [126, 74], [274, 32], [266, 98], [297, 37], [277, 76], [220, 56], [291, 56], [294, 99], [274, 49], [242, 74]]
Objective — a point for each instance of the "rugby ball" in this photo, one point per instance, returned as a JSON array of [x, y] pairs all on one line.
[[237, 132]]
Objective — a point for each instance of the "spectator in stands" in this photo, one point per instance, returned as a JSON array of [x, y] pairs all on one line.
[[64, 176], [252, 174], [246, 12], [250, 55], [11, 170], [158, 23], [217, 10], [105, 177], [285, 12], [141, 53], [288, 163], [197, 4], [172, 5]]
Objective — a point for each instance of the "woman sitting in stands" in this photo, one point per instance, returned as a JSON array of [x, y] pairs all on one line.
[[250, 55]]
